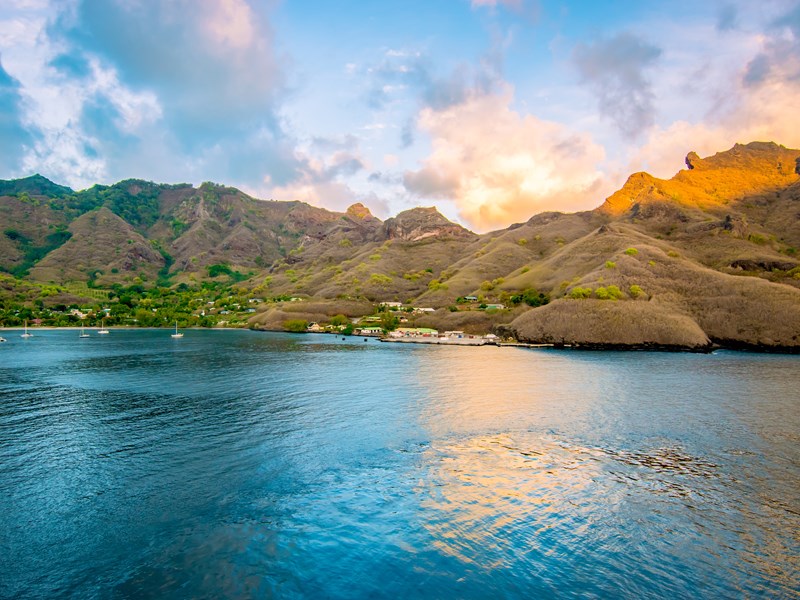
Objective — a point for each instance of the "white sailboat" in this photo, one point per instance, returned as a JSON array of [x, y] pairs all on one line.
[[103, 330], [26, 334], [176, 334], [83, 333]]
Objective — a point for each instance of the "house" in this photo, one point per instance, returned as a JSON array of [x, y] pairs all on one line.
[[424, 310], [471, 298], [370, 330], [391, 304], [315, 328], [495, 306], [454, 334], [415, 332]]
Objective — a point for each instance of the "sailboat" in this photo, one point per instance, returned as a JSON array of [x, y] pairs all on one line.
[[83, 333], [103, 330], [176, 334], [26, 334]]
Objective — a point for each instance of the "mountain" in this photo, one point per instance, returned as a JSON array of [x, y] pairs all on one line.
[[706, 257]]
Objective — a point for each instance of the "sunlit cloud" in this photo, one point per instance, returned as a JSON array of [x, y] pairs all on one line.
[[500, 166]]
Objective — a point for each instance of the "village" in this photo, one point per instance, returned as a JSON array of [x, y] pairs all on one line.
[[373, 326]]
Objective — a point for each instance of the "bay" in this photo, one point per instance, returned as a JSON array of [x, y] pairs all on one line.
[[240, 464]]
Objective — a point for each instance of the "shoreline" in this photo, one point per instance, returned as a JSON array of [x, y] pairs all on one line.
[[578, 346]]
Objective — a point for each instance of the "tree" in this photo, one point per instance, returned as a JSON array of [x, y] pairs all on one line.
[[339, 320], [389, 322]]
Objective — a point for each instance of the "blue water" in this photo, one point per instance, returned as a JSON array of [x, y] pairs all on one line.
[[235, 464]]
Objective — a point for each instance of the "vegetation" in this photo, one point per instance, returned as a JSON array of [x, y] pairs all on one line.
[[610, 292], [530, 297], [579, 293], [295, 325]]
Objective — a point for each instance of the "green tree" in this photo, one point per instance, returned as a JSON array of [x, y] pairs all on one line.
[[339, 320]]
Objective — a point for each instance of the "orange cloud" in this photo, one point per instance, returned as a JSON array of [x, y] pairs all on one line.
[[500, 167]]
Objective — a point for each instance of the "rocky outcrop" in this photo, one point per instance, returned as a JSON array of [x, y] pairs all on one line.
[[423, 223], [359, 211]]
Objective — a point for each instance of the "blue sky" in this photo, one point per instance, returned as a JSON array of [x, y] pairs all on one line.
[[492, 110]]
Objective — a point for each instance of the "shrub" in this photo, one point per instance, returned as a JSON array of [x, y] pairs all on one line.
[[610, 292], [522, 241], [610, 264], [530, 297], [579, 293], [338, 320], [635, 291], [631, 252], [379, 279]]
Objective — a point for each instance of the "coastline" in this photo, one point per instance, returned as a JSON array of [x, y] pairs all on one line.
[[582, 346]]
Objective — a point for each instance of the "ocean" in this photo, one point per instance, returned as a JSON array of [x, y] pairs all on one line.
[[239, 464]]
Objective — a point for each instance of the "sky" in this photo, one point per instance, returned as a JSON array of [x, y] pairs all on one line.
[[491, 110]]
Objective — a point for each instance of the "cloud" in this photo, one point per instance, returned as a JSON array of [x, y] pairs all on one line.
[[615, 70], [493, 3], [185, 90], [401, 72], [727, 17], [763, 114], [753, 97], [779, 58], [210, 63], [530, 7], [325, 181], [14, 138], [499, 166]]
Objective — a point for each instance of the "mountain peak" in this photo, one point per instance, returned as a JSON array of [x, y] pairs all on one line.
[[35, 185], [359, 211], [743, 170], [423, 222]]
